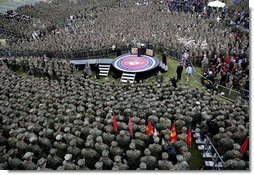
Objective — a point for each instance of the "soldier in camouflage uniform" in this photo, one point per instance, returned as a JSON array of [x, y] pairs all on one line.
[[100, 146], [28, 163], [14, 162], [90, 155], [107, 136], [68, 164], [164, 164], [99, 165], [115, 150], [42, 164], [133, 156], [150, 161], [53, 160], [123, 140], [60, 146], [181, 164], [73, 149], [44, 142], [107, 162], [21, 145], [156, 148], [118, 164], [82, 164]]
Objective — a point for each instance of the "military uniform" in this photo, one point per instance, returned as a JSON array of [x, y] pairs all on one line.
[[27, 163], [123, 140], [99, 165], [15, 163], [61, 148], [133, 156], [74, 151], [107, 162], [53, 160], [156, 149], [100, 146], [95, 132], [69, 166], [140, 145], [108, 138], [45, 144], [118, 165], [181, 164], [164, 164], [91, 157], [82, 164], [115, 150], [22, 147], [150, 161]]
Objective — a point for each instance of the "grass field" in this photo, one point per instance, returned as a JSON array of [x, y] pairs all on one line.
[[195, 161], [3, 1]]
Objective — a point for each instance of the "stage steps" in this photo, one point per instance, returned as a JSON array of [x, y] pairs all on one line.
[[128, 77], [104, 69]]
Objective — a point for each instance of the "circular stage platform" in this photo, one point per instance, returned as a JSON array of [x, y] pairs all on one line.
[[135, 64]]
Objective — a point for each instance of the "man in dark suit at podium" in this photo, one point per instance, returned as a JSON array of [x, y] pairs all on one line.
[[139, 52]]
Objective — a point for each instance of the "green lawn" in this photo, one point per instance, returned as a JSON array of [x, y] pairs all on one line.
[[3, 1], [195, 161]]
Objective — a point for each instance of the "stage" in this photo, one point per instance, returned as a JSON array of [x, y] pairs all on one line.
[[144, 66]]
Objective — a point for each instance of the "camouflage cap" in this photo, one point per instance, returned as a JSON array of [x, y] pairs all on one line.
[[28, 155], [77, 133], [72, 142], [156, 140], [237, 146], [68, 157], [114, 143], [122, 133], [30, 127], [117, 158], [147, 152], [20, 136], [179, 158], [164, 155], [98, 165], [53, 151], [99, 139], [105, 153], [142, 165], [59, 137], [132, 146], [115, 168], [81, 162], [67, 129], [41, 161]]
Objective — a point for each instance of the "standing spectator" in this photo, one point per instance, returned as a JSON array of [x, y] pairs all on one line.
[[97, 70], [179, 71], [188, 72], [173, 81]]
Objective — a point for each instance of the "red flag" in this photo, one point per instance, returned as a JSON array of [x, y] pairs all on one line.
[[188, 138], [149, 129], [173, 136], [244, 145], [130, 126], [115, 125]]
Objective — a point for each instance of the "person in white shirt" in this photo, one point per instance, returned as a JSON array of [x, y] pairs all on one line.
[[188, 72]]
